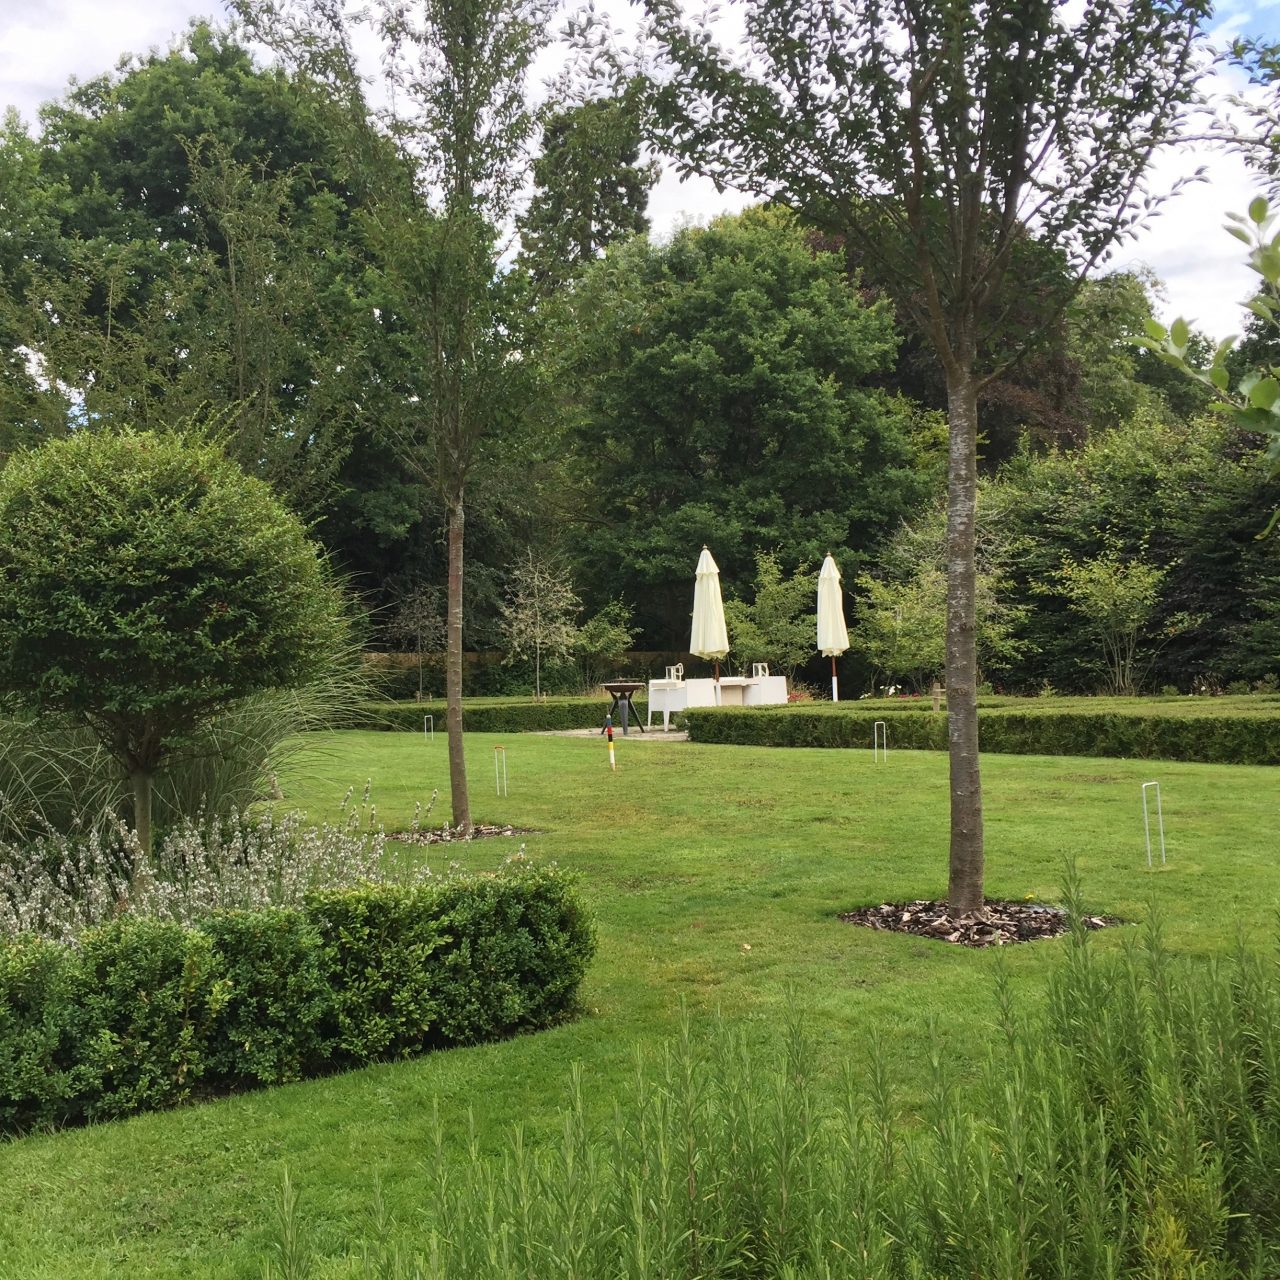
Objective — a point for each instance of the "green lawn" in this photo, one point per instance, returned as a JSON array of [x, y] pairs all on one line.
[[690, 855]]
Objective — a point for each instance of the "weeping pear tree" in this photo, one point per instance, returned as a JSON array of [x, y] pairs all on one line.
[[972, 150], [147, 583], [460, 121]]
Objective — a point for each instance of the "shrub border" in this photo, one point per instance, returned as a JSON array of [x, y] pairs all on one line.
[[141, 1014], [1203, 739], [507, 717]]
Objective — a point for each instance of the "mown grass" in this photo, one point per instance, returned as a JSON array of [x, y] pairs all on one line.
[[690, 855]]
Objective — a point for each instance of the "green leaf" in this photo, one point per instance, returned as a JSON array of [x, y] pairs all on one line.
[[1155, 330], [1258, 209], [1267, 264], [1180, 334], [1240, 234], [1219, 377], [1264, 393]]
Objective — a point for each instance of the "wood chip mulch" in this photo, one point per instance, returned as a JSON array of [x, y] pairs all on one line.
[[998, 925], [449, 835]]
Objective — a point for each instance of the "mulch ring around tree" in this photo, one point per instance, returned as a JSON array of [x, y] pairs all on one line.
[[998, 925], [452, 835]]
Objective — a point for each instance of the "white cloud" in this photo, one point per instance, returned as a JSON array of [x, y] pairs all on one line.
[[45, 42]]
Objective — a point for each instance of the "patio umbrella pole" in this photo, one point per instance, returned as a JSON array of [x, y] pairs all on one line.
[[835, 689]]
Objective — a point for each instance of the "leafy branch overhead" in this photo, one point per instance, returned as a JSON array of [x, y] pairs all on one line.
[[943, 135], [1254, 401]]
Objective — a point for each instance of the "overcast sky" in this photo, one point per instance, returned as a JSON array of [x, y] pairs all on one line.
[[45, 42]]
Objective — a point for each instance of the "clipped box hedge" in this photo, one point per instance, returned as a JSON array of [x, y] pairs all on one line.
[[142, 1014], [494, 717], [1207, 739]]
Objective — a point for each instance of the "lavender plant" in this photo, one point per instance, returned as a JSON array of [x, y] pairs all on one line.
[[61, 884]]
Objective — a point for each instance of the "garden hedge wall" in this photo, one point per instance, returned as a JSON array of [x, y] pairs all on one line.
[[1209, 739], [143, 1014], [494, 717]]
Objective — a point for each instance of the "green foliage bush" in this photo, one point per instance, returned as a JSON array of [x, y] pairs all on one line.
[[274, 1024], [151, 992], [517, 951], [451, 963], [147, 583], [144, 1014], [1211, 739], [44, 1077], [380, 949]]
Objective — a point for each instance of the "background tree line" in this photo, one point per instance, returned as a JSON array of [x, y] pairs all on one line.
[[190, 241]]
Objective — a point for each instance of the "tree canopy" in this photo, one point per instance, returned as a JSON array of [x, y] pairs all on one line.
[[723, 397], [181, 239], [146, 582]]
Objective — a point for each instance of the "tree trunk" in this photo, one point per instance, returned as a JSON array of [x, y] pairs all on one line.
[[964, 886], [453, 672], [140, 779]]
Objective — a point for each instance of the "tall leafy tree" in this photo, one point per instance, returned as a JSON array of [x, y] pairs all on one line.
[[938, 133], [1185, 497], [722, 396], [591, 184], [180, 238], [461, 123]]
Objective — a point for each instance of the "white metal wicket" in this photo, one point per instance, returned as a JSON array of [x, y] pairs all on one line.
[[500, 784], [880, 741], [1146, 821], [431, 720]]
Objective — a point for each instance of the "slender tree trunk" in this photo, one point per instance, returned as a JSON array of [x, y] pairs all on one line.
[[140, 780], [964, 887], [453, 672]]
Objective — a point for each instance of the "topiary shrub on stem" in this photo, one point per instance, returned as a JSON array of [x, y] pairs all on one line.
[[147, 583]]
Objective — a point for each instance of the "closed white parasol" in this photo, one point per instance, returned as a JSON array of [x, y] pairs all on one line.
[[710, 637], [833, 636]]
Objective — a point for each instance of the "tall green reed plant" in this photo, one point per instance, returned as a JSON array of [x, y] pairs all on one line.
[[53, 776], [56, 777], [1129, 1127]]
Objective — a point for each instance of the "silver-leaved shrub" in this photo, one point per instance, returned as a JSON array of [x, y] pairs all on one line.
[[59, 885]]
